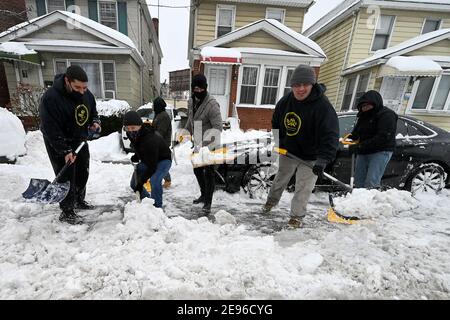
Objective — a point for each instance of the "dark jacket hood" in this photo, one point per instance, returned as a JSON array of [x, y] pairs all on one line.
[[373, 97], [58, 83], [159, 105], [317, 92]]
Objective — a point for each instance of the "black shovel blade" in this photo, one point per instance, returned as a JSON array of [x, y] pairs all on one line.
[[41, 190]]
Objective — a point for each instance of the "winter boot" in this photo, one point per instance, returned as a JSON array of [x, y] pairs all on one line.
[[266, 208], [295, 223], [69, 216], [201, 199], [83, 205], [206, 209]]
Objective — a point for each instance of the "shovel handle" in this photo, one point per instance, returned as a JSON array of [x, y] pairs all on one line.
[[67, 164], [284, 152]]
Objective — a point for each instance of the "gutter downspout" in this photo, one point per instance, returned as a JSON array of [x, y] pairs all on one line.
[[141, 52], [355, 19]]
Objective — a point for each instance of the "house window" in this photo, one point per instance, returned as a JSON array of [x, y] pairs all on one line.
[[53, 5], [287, 87], [356, 87], [249, 85], [225, 20], [383, 32], [101, 75], [108, 14], [270, 86], [432, 94], [275, 13], [431, 25]]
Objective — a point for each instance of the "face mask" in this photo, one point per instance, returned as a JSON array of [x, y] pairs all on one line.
[[200, 95], [133, 134], [75, 95]]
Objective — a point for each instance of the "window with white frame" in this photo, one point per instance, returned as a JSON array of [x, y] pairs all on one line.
[[270, 86], [108, 13], [355, 88], [432, 94], [431, 25], [275, 13], [53, 5], [249, 84], [101, 75], [225, 19], [287, 86], [383, 32]]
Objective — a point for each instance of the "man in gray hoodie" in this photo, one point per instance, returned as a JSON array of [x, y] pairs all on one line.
[[205, 126]]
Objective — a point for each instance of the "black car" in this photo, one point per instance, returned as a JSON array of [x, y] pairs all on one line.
[[421, 161]]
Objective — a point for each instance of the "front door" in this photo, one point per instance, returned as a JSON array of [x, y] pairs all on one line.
[[219, 86]]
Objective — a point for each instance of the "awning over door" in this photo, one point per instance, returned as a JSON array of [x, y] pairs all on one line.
[[220, 55], [415, 66], [19, 52]]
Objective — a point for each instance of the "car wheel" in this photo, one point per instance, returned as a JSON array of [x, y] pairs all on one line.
[[258, 180], [428, 177]]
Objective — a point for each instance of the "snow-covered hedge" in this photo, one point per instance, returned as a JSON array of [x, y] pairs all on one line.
[[12, 136], [112, 107]]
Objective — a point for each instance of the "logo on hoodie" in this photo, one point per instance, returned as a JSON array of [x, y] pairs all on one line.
[[292, 123], [81, 115]]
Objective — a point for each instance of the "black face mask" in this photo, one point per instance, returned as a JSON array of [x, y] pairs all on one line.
[[133, 134], [200, 95], [75, 95]]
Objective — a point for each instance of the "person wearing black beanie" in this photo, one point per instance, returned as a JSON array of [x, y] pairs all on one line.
[[152, 155], [204, 113], [163, 125]]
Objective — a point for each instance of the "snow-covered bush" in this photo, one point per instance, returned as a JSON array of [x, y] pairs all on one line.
[[12, 137]]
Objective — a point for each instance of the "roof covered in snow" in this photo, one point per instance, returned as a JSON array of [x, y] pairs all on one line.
[[342, 11], [17, 48], [283, 3], [402, 48], [278, 30]]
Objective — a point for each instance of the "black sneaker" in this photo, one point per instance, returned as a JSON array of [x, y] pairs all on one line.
[[201, 199], [206, 210], [83, 205], [69, 216]]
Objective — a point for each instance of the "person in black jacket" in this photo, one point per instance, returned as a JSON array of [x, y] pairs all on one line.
[[308, 128], [163, 125], [375, 130], [152, 153], [68, 112]]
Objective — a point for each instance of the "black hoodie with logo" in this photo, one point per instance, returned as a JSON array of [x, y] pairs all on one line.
[[308, 129], [64, 119], [375, 128]]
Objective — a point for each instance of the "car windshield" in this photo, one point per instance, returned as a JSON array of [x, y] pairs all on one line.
[[146, 113]]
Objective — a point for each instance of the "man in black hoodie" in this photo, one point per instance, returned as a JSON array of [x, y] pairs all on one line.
[[163, 125], [375, 130], [152, 153], [308, 128], [68, 112]]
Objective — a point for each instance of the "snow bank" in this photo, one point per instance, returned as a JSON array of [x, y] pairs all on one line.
[[112, 107], [107, 148], [12, 135]]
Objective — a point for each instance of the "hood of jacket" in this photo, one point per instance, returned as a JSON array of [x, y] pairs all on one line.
[[374, 98]]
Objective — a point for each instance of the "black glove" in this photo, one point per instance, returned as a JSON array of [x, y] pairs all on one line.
[[353, 148], [319, 168], [134, 158]]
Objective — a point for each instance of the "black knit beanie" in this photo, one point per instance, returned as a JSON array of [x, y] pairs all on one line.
[[199, 80], [131, 118], [159, 105]]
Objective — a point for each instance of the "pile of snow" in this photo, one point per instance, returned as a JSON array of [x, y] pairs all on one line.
[[148, 105], [12, 135], [107, 148], [373, 203], [112, 107]]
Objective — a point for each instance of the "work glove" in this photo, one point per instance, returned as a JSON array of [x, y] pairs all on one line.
[[319, 167], [134, 158]]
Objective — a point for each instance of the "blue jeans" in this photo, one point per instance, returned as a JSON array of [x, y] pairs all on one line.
[[162, 169], [370, 168]]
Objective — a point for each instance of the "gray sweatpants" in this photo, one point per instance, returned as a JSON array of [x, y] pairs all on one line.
[[305, 180]]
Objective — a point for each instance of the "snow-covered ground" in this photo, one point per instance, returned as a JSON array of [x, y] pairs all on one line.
[[135, 251]]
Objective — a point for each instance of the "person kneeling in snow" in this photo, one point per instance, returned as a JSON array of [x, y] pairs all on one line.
[[152, 153], [375, 130]]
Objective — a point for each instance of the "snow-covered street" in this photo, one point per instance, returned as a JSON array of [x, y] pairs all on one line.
[[135, 251]]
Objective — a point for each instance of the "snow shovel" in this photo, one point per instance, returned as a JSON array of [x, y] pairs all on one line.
[[332, 214], [44, 191], [137, 193]]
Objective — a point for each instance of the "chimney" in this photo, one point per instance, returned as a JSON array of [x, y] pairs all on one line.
[[156, 25]]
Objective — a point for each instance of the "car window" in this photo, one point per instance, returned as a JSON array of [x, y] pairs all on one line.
[[346, 124], [146, 113], [409, 128]]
